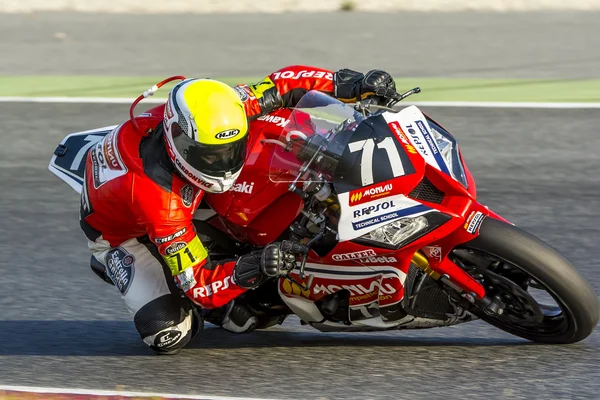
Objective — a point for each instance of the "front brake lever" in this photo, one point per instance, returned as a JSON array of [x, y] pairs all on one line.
[[404, 95], [306, 247]]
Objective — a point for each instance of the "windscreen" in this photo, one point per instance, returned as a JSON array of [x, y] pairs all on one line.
[[312, 143]]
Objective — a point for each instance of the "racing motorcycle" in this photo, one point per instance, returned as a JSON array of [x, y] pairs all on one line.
[[385, 210]]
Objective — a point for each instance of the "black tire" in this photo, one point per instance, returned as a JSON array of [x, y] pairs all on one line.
[[572, 293]]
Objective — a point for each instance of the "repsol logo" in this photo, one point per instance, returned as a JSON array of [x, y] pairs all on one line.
[[416, 139], [193, 177], [228, 134], [209, 290], [302, 74], [373, 209]]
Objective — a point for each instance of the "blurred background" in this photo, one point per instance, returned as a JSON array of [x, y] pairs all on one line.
[[538, 167]]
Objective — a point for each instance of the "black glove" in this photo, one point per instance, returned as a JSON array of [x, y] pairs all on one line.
[[350, 86], [279, 258], [275, 259]]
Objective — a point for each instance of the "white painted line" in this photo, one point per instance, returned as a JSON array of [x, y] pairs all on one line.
[[466, 104], [496, 104], [34, 389], [98, 100]]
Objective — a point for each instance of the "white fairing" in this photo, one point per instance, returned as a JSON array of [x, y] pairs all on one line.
[[417, 130], [361, 219]]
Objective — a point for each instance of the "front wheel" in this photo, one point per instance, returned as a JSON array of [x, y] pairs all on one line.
[[538, 294]]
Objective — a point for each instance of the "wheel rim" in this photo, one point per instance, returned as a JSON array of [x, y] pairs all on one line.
[[534, 308]]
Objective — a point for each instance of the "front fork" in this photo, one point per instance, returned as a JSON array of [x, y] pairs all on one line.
[[451, 275]]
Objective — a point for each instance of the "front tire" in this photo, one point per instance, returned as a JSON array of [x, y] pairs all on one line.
[[530, 263]]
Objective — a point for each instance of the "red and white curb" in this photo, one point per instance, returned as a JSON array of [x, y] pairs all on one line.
[[14, 392]]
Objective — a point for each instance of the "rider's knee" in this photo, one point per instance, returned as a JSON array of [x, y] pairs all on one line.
[[167, 324]]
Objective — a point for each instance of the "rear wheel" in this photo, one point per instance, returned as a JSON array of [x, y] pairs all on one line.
[[536, 293]]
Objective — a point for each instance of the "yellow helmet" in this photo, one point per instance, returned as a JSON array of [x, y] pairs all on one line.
[[206, 132]]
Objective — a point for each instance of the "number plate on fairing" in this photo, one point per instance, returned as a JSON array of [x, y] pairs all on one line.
[[68, 162]]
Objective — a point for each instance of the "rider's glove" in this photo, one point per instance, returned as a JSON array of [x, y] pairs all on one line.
[[274, 260], [353, 86]]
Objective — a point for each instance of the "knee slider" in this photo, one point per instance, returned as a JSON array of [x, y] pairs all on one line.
[[167, 324]]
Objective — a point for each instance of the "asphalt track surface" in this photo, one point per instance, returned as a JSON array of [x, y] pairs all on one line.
[[469, 45], [61, 326]]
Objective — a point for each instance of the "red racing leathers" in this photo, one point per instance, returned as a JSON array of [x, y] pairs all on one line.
[[131, 189]]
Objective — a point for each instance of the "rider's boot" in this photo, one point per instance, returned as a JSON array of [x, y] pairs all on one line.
[[233, 317]]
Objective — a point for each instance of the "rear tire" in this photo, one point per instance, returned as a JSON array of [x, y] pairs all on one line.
[[571, 292]]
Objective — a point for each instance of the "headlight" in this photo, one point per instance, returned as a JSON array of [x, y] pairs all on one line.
[[399, 233], [449, 151]]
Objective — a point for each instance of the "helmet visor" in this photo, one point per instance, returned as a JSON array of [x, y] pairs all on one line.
[[214, 160]]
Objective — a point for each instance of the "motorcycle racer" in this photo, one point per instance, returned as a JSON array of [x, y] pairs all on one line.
[[146, 178]]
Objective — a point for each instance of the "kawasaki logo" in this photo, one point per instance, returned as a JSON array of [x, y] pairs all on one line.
[[243, 187], [278, 121], [364, 195]]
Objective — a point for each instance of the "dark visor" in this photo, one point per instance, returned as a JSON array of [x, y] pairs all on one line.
[[213, 160]]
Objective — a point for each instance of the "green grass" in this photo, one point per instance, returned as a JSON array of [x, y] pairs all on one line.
[[433, 89]]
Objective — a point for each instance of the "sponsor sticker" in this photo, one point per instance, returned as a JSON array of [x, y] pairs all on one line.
[[361, 212], [228, 134], [186, 280], [293, 288], [212, 288], [395, 127], [354, 256], [474, 222], [182, 258], [278, 121], [243, 187], [378, 260], [120, 268], [175, 247], [190, 175], [106, 160], [241, 93], [167, 338], [357, 289], [187, 195], [364, 195], [302, 74], [416, 140], [169, 108], [165, 239], [376, 220], [427, 136], [434, 252], [259, 89]]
